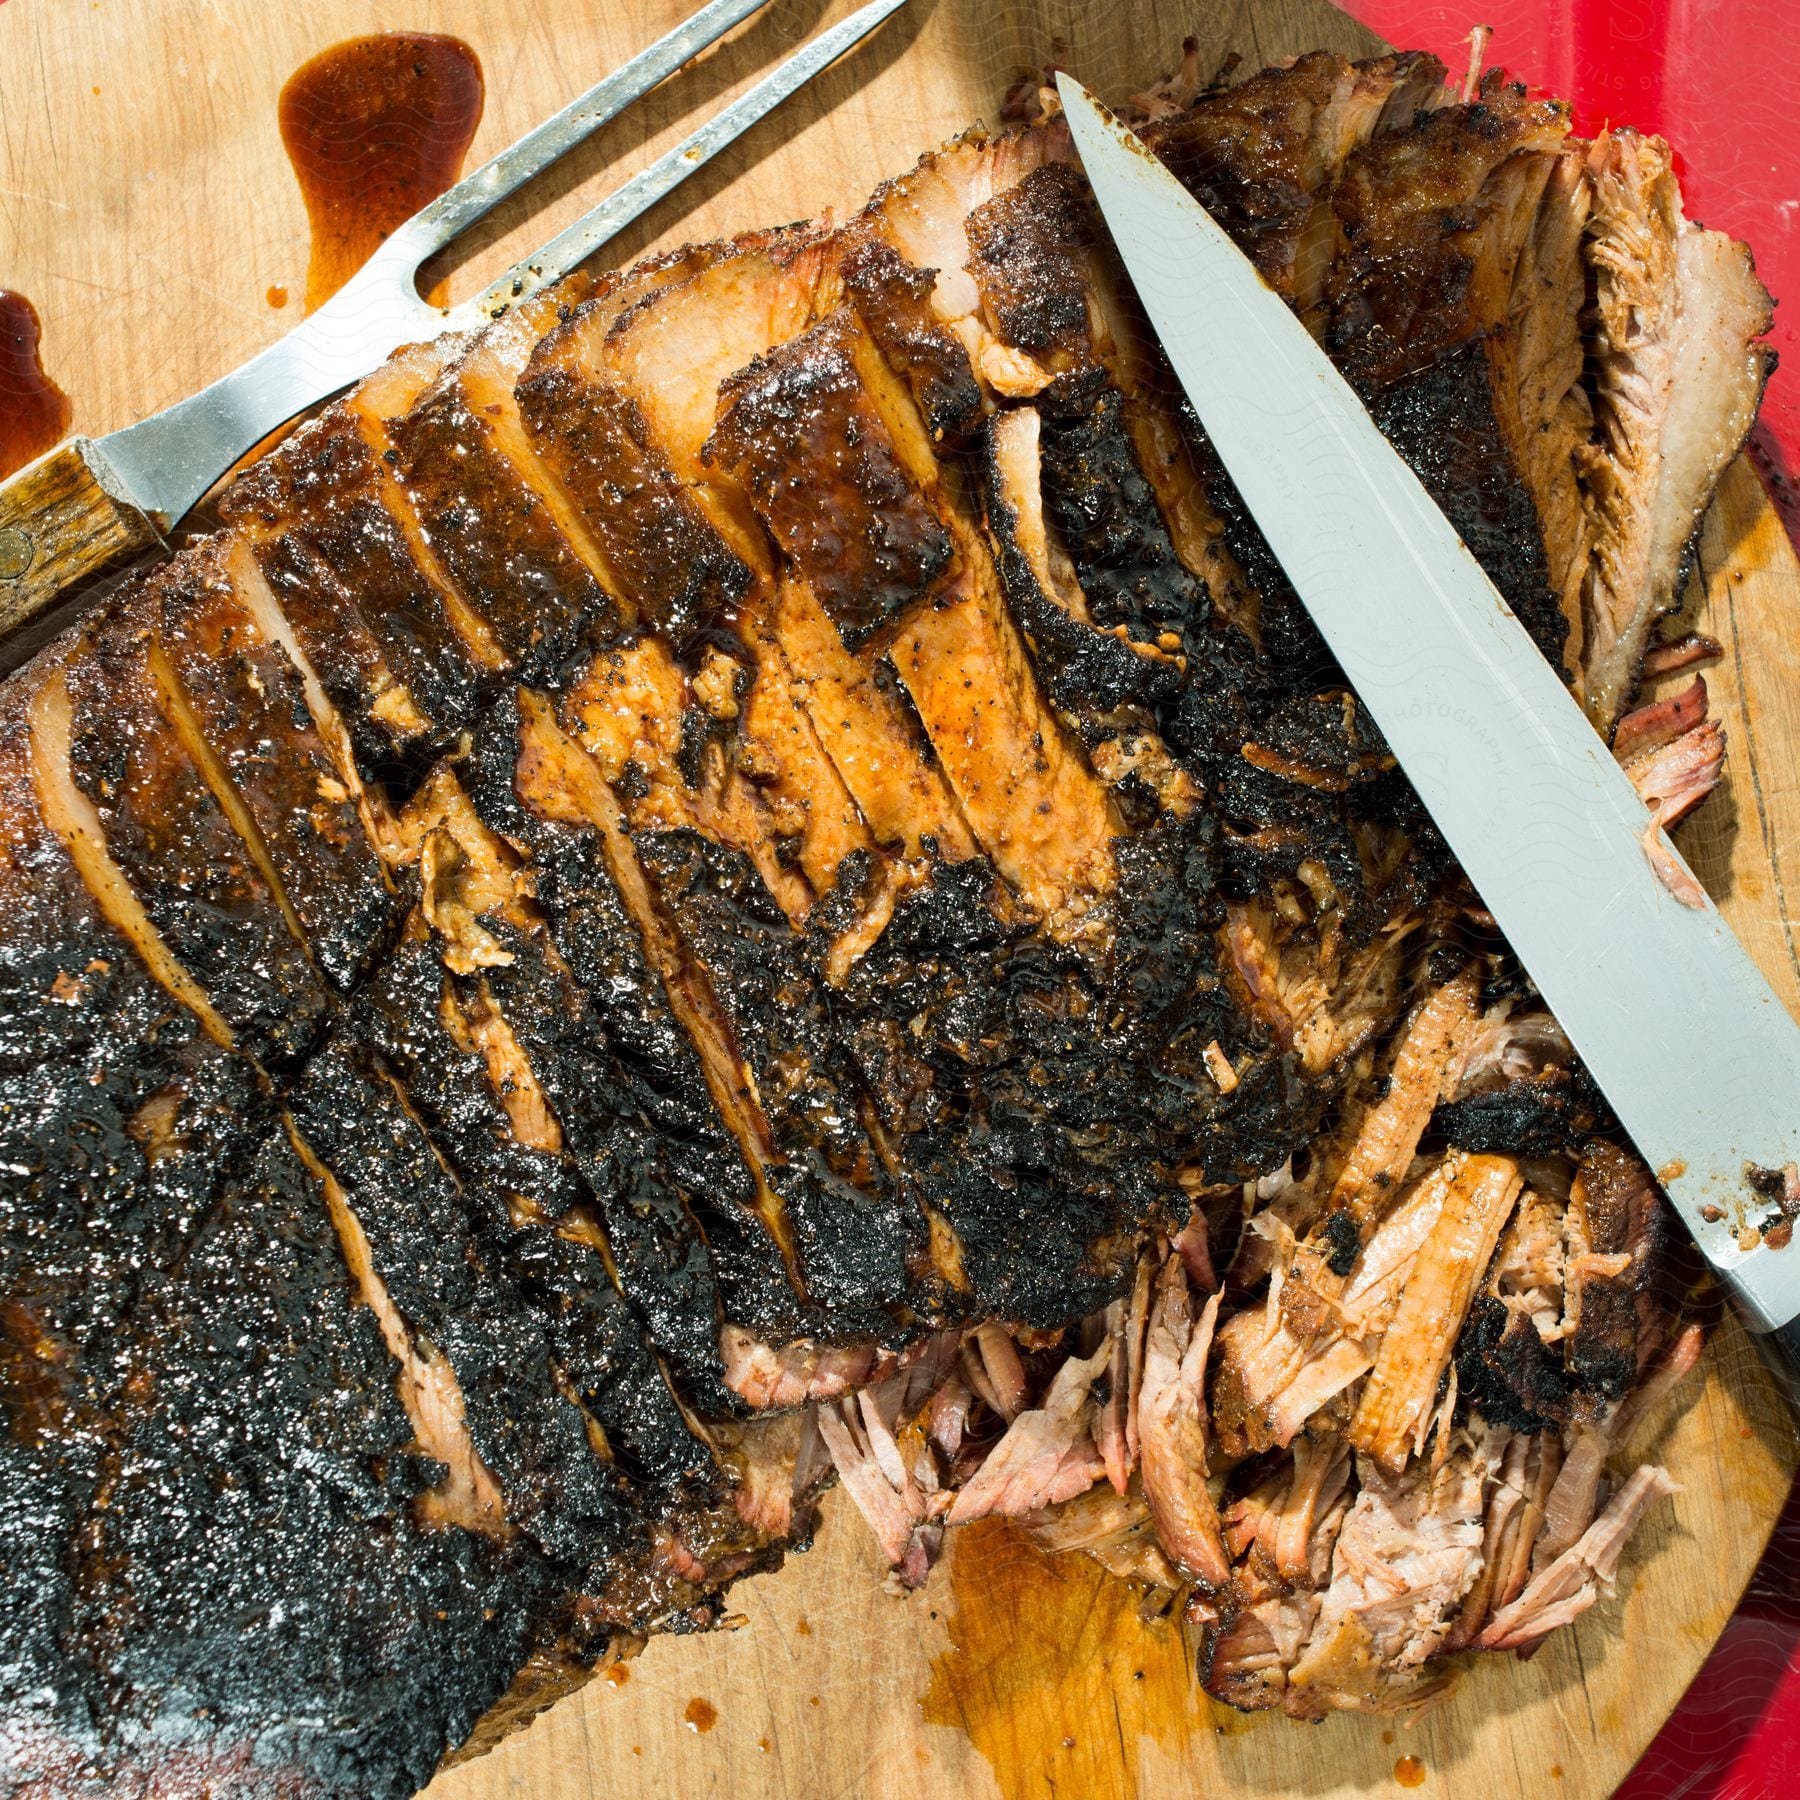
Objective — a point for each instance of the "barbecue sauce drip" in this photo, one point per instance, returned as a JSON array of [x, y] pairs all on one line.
[[375, 127], [34, 411], [1034, 1637]]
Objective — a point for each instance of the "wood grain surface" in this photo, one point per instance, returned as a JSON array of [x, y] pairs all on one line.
[[146, 207]]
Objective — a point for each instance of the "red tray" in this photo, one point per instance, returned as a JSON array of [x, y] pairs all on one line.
[[1707, 74]]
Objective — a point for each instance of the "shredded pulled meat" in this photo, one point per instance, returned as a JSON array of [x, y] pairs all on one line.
[[1679, 372], [1571, 1583], [1171, 1415], [1675, 756], [1346, 1479]]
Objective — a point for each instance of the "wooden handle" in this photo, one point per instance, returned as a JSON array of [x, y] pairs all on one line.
[[57, 525]]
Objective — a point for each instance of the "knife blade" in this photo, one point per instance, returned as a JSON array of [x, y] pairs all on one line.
[[1697, 1056]]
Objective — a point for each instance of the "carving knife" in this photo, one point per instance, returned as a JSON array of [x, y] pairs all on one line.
[[1696, 1055]]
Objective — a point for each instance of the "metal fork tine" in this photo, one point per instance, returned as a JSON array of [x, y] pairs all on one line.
[[650, 184], [167, 461], [454, 211]]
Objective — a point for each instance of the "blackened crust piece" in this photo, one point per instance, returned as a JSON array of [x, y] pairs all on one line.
[[940, 1019], [428, 1250], [643, 1180], [1619, 1314], [247, 1558], [1507, 1373], [520, 1195], [339, 564], [853, 1237], [1399, 255], [678, 1199], [1262, 155], [401, 1016], [1247, 155], [604, 1354], [1099, 501], [1433, 219], [1090, 676], [796, 428], [1551, 1115], [1441, 419]]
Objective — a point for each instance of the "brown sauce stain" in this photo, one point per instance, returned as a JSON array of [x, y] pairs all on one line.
[[701, 1715], [34, 411], [1052, 1673], [617, 1673], [375, 127], [803, 1626], [277, 296], [1409, 1772]]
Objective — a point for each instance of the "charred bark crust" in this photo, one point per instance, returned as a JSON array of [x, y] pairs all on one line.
[[891, 1094]]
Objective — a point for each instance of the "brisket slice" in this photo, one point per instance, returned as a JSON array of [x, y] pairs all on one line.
[[823, 471], [1678, 375], [399, 655], [491, 532], [163, 825], [1263, 157]]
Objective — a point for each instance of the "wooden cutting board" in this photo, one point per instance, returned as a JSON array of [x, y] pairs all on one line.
[[146, 207]]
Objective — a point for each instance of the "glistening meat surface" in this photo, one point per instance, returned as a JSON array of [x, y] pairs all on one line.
[[757, 870]]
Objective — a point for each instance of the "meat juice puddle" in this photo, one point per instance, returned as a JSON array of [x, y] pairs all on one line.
[[34, 411], [1053, 1674], [375, 128]]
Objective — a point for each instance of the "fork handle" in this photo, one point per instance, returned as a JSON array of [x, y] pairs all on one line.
[[58, 524]]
